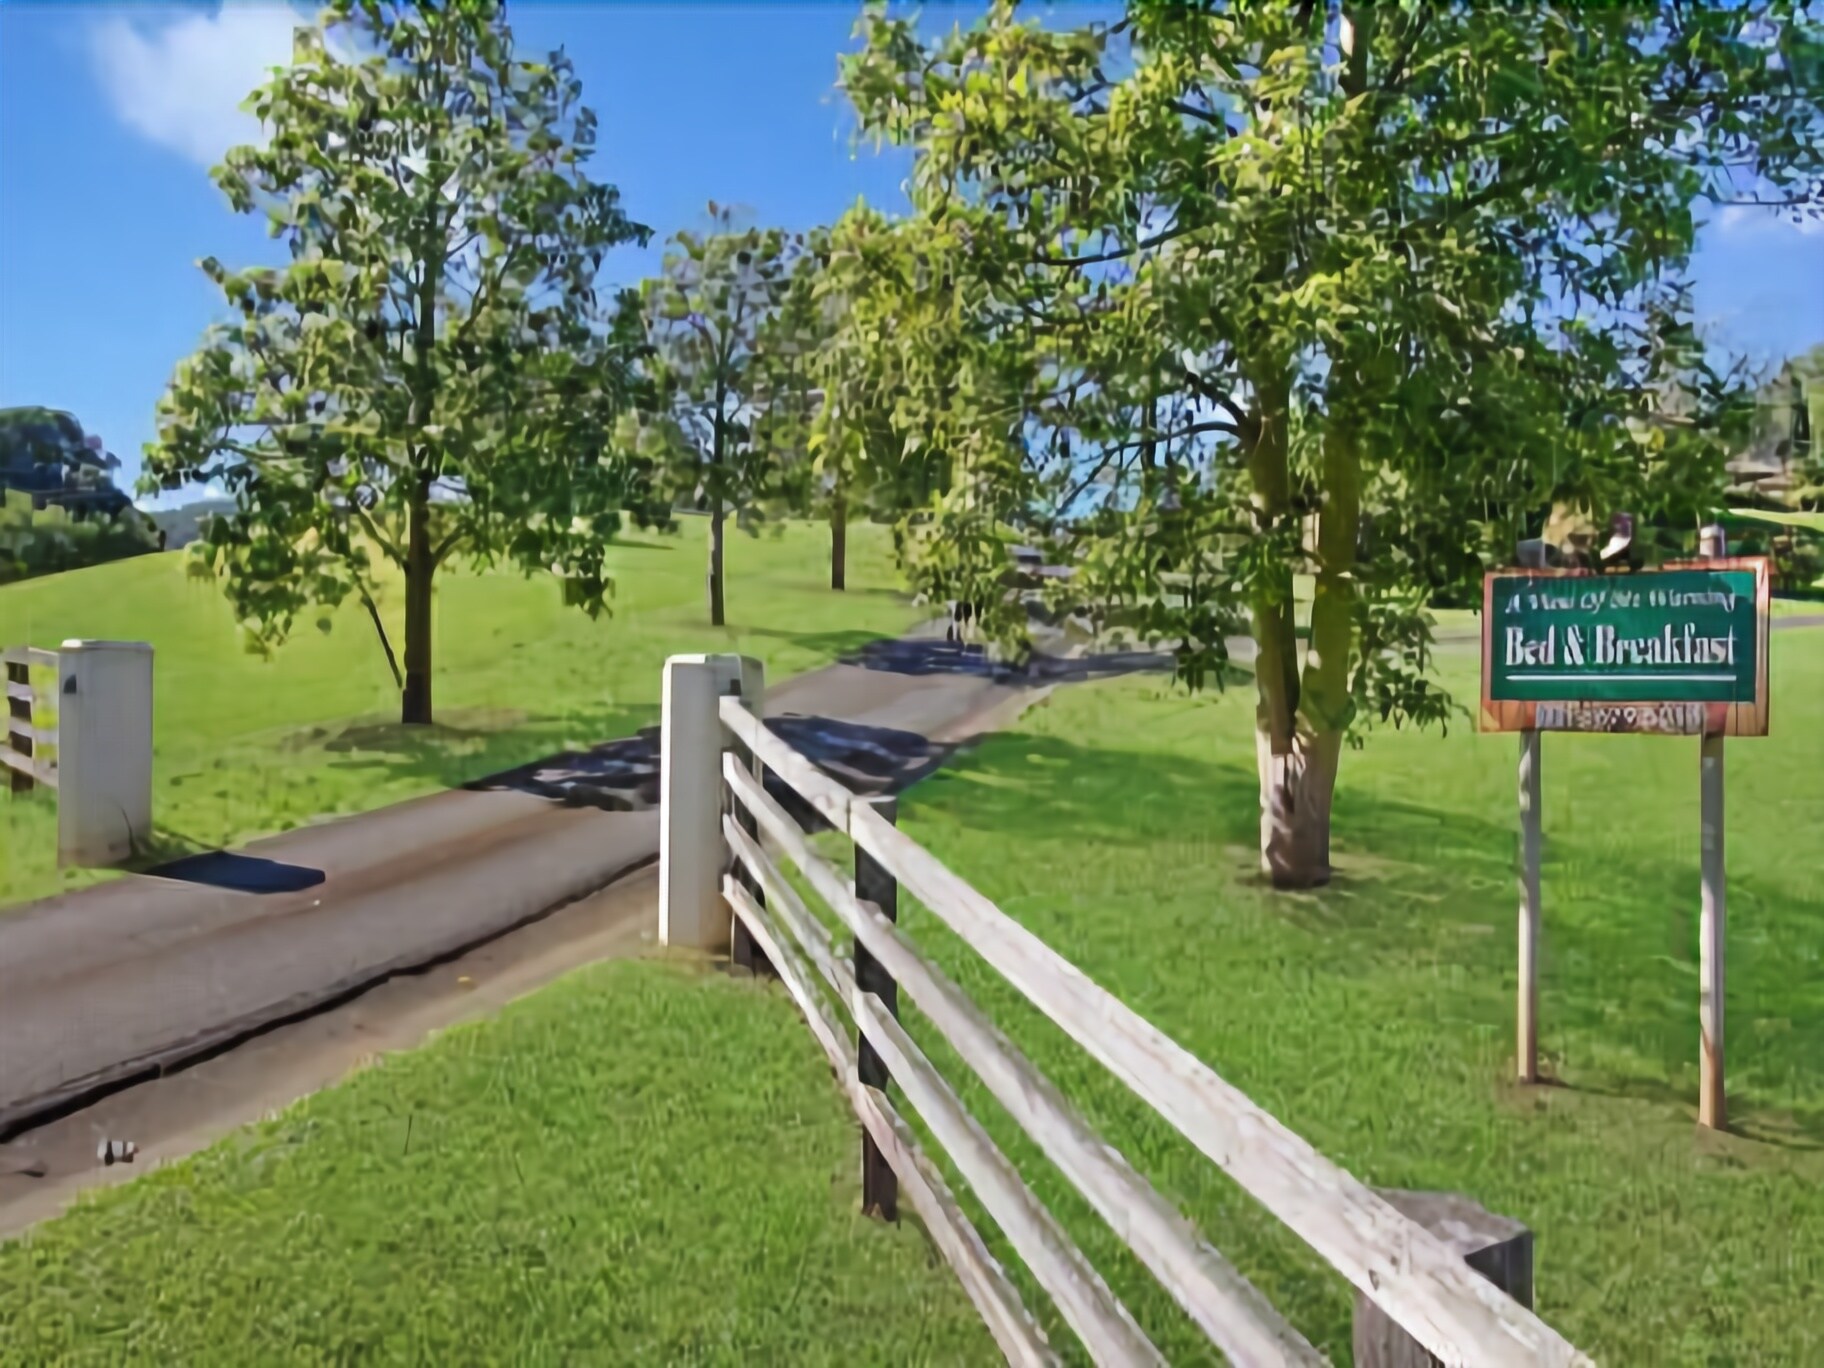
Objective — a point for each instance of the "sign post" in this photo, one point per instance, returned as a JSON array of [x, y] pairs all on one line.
[[1675, 652], [1710, 1109], [1526, 1053]]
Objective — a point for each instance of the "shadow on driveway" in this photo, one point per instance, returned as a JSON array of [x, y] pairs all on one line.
[[234, 873]]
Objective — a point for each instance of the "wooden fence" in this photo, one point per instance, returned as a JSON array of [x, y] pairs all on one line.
[[29, 753], [1412, 1277]]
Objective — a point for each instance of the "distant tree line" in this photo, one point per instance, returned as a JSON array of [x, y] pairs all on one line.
[[62, 510]]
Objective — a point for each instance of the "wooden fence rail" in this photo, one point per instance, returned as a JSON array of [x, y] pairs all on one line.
[[1410, 1274], [23, 747]]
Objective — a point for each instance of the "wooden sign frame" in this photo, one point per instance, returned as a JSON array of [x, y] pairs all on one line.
[[1649, 717], [1712, 722]]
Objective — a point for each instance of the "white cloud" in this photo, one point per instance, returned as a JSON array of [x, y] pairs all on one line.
[[179, 80], [1741, 220]]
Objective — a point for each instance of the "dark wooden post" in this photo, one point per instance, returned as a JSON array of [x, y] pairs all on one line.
[[1497, 1247], [879, 1184], [19, 710], [742, 948]]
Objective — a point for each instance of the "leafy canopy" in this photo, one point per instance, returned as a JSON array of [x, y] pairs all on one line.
[[728, 361], [432, 372], [1221, 293]]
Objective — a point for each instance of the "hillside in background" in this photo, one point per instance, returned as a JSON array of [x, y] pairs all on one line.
[[184, 525]]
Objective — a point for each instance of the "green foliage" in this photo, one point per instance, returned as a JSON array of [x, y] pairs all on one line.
[[47, 459], [44, 452], [50, 540], [1230, 293], [1803, 422], [433, 373], [728, 374], [856, 455], [729, 340]]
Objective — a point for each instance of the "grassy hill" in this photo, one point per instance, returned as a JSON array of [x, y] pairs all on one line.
[[1375, 1017], [248, 746]]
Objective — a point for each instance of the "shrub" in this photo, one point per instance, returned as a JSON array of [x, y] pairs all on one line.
[[45, 541]]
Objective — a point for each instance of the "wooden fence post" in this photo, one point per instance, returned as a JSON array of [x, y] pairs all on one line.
[[692, 853], [743, 949], [104, 751], [19, 709], [1497, 1247], [692, 914], [873, 884]]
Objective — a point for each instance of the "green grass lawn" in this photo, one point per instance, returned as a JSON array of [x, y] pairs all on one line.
[[644, 1163], [246, 747], [1376, 1017]]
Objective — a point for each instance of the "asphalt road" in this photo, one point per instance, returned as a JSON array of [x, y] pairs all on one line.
[[111, 985], [186, 1110]]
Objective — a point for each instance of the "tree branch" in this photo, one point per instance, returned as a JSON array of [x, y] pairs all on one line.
[[447, 545], [373, 613], [1205, 116], [393, 553], [1194, 430], [1243, 419], [1144, 244]]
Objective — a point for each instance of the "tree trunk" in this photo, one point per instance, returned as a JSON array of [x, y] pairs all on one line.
[[420, 561], [1298, 782], [1296, 754], [717, 614], [839, 540], [1296, 787], [415, 703]]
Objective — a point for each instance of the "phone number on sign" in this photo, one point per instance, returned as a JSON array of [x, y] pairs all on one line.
[[1684, 719]]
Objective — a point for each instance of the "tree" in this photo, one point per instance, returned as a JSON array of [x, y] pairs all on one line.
[[805, 476], [1794, 413], [1340, 292], [860, 464], [45, 454], [45, 541], [433, 374], [804, 352], [714, 379]]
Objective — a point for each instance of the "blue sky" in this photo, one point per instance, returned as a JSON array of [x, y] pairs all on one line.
[[111, 114]]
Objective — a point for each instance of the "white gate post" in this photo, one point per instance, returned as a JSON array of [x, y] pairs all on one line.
[[692, 854], [104, 751]]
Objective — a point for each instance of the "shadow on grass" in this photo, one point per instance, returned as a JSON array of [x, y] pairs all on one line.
[[165, 846], [1423, 891], [468, 751], [839, 645]]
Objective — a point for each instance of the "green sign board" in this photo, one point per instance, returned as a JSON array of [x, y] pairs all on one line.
[[1558, 646]]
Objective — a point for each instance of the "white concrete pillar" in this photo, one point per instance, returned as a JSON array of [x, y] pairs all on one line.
[[692, 853], [104, 751]]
